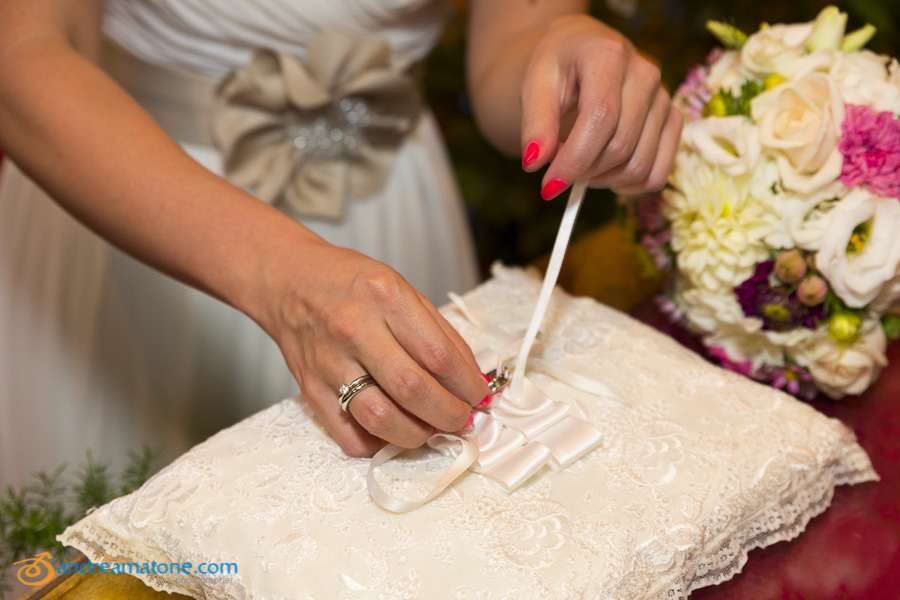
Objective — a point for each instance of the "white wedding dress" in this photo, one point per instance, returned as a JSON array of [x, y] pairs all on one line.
[[100, 352]]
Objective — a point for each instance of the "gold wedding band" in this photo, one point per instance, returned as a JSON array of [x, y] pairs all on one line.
[[346, 393]]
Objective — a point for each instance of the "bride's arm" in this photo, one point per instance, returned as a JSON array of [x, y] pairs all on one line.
[[334, 313], [532, 62]]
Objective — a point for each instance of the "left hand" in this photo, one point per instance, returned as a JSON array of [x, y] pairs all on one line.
[[626, 129]]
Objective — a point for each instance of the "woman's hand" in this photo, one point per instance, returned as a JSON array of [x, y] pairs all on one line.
[[626, 129], [567, 91], [345, 315], [336, 314]]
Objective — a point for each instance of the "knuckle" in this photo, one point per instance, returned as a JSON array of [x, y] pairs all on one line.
[[383, 284], [637, 169], [409, 384], [375, 415], [439, 359], [618, 151], [340, 321], [651, 73], [603, 116]]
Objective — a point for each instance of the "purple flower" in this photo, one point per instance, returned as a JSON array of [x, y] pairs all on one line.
[[794, 380], [871, 147], [778, 306]]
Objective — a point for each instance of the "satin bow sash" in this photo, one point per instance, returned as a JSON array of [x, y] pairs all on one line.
[[522, 430], [306, 135]]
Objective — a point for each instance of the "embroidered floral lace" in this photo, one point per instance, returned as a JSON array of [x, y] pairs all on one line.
[[697, 467]]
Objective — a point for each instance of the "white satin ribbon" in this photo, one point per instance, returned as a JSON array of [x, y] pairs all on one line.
[[522, 430]]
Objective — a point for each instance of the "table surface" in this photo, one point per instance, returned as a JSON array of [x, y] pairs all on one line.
[[851, 552]]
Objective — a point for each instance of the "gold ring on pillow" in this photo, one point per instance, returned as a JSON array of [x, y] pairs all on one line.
[[347, 392]]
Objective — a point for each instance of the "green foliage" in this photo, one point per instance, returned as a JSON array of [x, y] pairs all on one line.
[[32, 517], [891, 324], [740, 104]]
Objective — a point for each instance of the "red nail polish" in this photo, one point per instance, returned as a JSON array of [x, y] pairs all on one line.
[[553, 188], [485, 402], [470, 421], [531, 154]]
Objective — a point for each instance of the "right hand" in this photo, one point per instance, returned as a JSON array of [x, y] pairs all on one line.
[[345, 315]]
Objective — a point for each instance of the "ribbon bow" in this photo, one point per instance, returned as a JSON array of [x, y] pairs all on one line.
[[521, 430], [306, 135]]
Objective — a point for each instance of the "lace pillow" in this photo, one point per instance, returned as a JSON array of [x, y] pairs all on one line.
[[697, 467]]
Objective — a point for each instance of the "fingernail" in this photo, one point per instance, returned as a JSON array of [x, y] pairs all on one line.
[[470, 421], [553, 188], [489, 397], [433, 430], [531, 154]]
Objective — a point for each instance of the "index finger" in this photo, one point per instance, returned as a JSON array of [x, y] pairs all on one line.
[[599, 111], [441, 352]]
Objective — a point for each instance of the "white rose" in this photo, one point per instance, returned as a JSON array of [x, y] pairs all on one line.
[[731, 143], [841, 369], [801, 122], [726, 73], [858, 278], [775, 49]]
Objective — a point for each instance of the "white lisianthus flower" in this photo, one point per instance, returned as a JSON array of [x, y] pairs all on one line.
[[860, 249], [828, 30], [861, 77], [775, 49], [731, 143], [727, 73], [894, 72], [801, 122], [842, 369], [802, 217], [717, 227]]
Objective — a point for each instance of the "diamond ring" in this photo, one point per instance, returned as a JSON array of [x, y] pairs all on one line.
[[346, 393]]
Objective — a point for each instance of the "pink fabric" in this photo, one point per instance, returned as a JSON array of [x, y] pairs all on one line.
[[852, 551]]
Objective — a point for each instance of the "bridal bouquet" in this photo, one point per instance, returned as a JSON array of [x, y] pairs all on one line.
[[781, 220]]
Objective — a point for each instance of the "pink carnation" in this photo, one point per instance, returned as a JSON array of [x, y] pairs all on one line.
[[871, 148]]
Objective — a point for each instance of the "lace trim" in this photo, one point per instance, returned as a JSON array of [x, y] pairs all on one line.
[[782, 522], [779, 523]]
